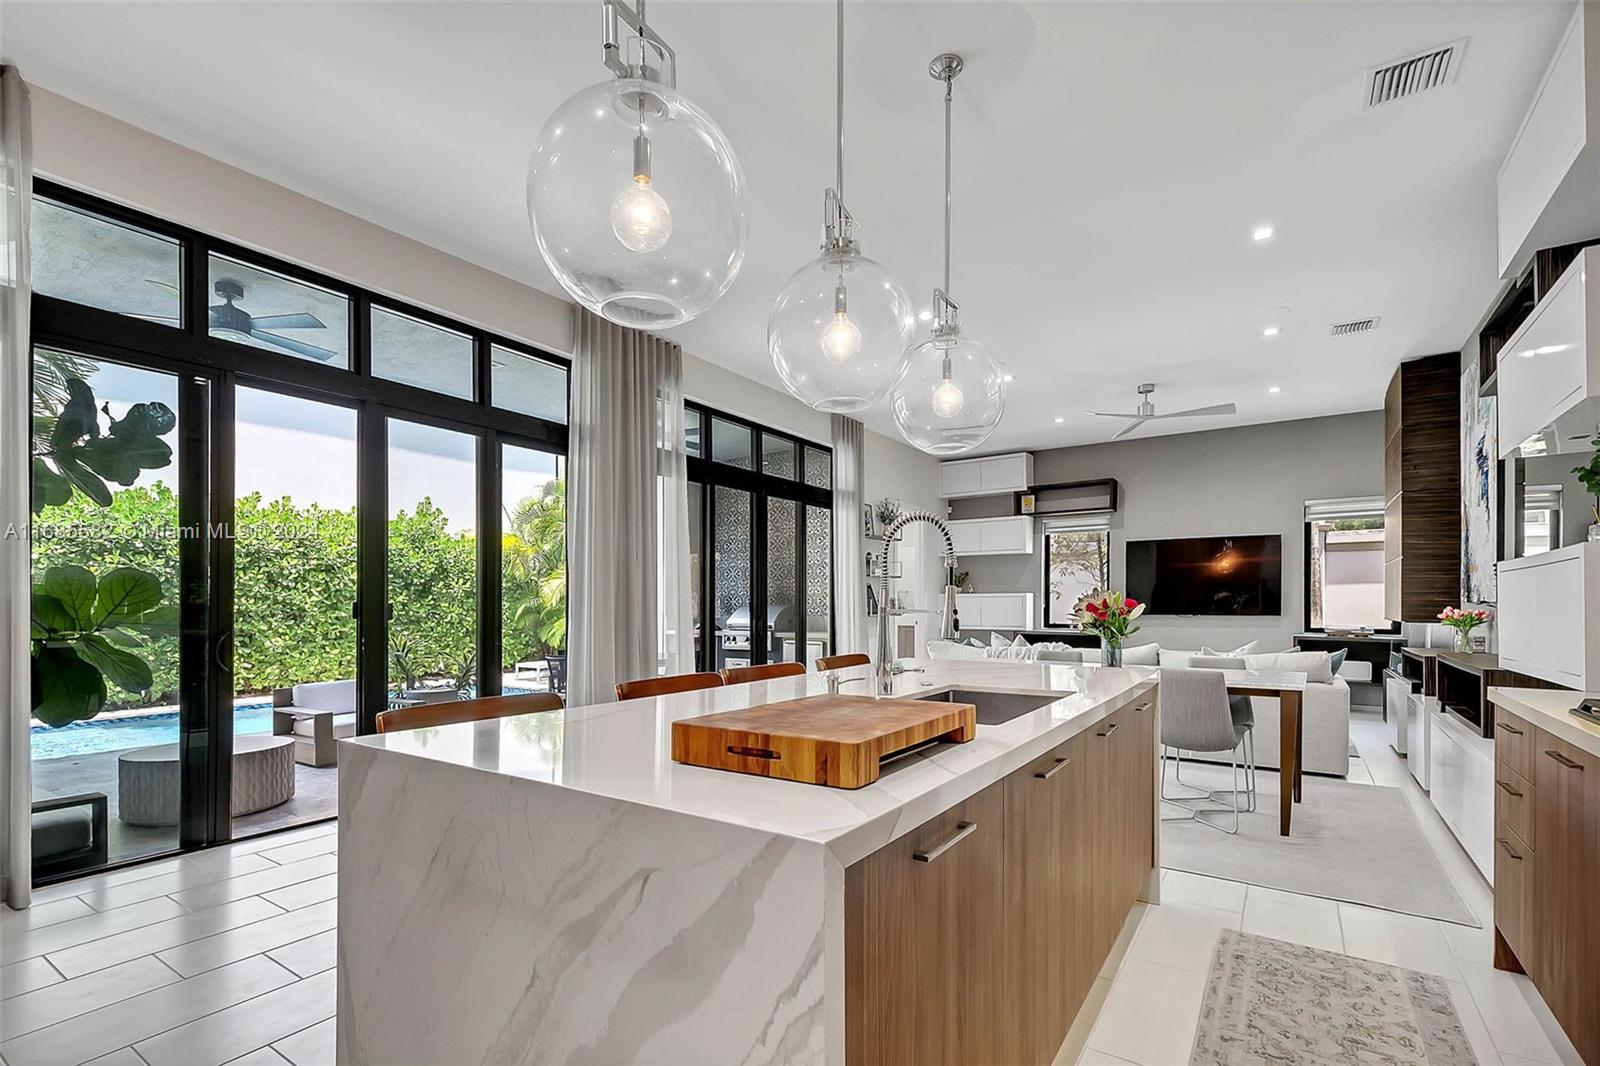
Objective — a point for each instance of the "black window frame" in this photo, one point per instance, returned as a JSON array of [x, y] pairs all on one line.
[[1305, 585], [1044, 577]]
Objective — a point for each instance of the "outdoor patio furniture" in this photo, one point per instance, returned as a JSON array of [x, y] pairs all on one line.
[[148, 779], [69, 834], [317, 715]]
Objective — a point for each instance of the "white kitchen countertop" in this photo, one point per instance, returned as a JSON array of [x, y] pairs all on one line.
[[1548, 709]]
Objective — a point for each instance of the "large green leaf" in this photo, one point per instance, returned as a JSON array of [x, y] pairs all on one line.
[[75, 588], [78, 419], [51, 616], [65, 688], [144, 420], [125, 594], [50, 489], [82, 478], [122, 668]]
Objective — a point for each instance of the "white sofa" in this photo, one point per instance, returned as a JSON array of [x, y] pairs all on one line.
[[317, 714]]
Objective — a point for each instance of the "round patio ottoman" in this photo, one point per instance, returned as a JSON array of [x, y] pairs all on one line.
[[147, 779]]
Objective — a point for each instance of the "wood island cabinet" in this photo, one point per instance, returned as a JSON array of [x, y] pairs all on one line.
[[1547, 867], [976, 937]]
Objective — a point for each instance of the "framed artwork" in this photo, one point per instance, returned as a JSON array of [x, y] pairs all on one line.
[[869, 527], [1480, 470]]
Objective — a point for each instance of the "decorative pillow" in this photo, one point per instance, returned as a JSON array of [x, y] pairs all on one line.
[[949, 649], [1169, 659], [1011, 654], [1243, 649], [1061, 654], [1336, 658], [1142, 655], [1020, 642], [1314, 664]]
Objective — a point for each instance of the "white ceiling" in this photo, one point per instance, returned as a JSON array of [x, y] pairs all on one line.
[[1112, 160]]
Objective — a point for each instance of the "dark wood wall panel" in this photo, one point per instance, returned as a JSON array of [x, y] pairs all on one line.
[[1422, 481]]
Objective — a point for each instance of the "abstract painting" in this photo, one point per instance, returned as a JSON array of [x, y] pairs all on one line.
[[1480, 468]]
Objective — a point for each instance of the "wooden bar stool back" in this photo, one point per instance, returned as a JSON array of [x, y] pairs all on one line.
[[431, 714], [666, 686], [738, 675], [839, 662]]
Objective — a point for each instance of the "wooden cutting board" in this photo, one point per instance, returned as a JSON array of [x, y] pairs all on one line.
[[822, 740]]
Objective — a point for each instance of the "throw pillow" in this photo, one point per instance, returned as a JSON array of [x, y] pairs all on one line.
[[1243, 649], [997, 641], [1020, 642], [1142, 655], [949, 649], [1169, 659], [1314, 664], [1336, 659]]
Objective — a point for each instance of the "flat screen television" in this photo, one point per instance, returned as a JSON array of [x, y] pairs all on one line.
[[1207, 575]]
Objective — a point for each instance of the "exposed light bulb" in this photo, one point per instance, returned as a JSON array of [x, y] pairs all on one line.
[[841, 338], [640, 217], [948, 399]]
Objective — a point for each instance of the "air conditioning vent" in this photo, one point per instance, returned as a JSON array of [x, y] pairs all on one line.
[[1414, 74], [1355, 325]]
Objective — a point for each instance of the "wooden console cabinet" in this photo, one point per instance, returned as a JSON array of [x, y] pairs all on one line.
[[1422, 488], [975, 937], [1547, 867]]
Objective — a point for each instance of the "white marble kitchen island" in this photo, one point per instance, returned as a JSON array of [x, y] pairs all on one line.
[[553, 888]]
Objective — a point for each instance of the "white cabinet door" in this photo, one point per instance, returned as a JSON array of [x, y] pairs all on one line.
[[967, 537], [1007, 473], [1546, 618], [964, 478], [1013, 610], [969, 607], [993, 536], [1543, 369]]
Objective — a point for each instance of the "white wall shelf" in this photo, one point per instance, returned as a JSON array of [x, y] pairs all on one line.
[[1546, 185], [1548, 622], [1549, 369], [1011, 535], [995, 610], [992, 475]]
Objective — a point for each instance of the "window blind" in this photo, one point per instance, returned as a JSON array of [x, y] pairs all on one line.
[[1077, 524], [1350, 507]]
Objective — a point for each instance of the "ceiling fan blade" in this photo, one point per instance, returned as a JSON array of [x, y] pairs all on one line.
[[298, 347], [1129, 428], [164, 285], [1115, 414], [299, 320], [1197, 412]]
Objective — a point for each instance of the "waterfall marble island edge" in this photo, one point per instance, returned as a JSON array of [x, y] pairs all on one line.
[[553, 887]]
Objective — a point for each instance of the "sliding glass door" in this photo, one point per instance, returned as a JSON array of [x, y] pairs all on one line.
[[533, 570]]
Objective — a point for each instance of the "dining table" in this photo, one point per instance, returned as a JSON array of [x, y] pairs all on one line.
[[1288, 688]]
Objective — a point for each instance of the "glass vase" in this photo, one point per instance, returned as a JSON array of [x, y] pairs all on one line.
[[1110, 652], [1463, 640]]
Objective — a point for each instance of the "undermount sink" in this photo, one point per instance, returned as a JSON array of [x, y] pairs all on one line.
[[994, 708]]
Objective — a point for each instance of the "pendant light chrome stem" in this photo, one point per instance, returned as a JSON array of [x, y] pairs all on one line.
[[944, 68], [838, 173], [948, 79]]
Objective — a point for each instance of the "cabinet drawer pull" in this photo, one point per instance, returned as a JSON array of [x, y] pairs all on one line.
[[1502, 842], [1509, 790], [1563, 760], [1114, 727], [963, 831], [1513, 730], [1061, 764]]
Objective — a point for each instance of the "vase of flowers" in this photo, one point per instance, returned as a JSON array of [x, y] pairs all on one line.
[[1463, 622], [1110, 616]]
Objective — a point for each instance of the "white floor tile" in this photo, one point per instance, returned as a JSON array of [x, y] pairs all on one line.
[[1150, 1014], [278, 840], [303, 849], [1398, 939], [158, 936], [1263, 894], [125, 1056], [109, 1028], [310, 1047], [309, 956], [258, 882], [1301, 923], [1096, 1057], [305, 893], [1511, 1010], [64, 889], [27, 975], [263, 1056], [27, 943], [1483, 1048], [1174, 934], [42, 914], [35, 1010], [186, 877], [240, 942], [1470, 946], [227, 1034], [1180, 886]]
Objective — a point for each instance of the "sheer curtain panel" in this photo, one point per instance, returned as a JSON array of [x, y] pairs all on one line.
[[849, 545], [627, 421], [16, 701]]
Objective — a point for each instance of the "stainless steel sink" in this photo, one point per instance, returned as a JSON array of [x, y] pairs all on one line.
[[994, 708]]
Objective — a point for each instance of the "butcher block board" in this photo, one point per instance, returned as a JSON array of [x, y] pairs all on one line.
[[821, 740]]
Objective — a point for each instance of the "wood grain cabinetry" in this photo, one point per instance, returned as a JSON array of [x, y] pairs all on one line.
[[1547, 864], [976, 936], [1422, 488]]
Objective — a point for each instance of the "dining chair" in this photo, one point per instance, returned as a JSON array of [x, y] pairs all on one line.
[[738, 675], [1243, 711], [666, 686], [839, 662], [432, 714], [1195, 716]]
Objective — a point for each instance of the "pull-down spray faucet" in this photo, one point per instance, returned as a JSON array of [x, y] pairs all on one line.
[[949, 625]]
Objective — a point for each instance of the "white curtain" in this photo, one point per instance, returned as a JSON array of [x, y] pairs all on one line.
[[16, 801], [674, 586], [849, 544], [625, 399]]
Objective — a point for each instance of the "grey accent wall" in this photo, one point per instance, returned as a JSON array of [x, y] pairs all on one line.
[[1247, 480]]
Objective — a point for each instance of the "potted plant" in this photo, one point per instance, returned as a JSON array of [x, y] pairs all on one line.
[[886, 511], [1463, 622], [1110, 616], [1589, 475]]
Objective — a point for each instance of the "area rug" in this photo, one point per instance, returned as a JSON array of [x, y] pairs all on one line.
[[1357, 843], [1271, 1002]]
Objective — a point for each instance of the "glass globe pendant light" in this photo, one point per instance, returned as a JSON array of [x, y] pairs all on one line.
[[838, 330], [636, 197], [952, 394]]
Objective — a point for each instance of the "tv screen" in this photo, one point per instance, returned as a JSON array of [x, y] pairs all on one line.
[[1207, 575]]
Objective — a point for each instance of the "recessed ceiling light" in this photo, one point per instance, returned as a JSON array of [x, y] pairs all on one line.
[[1270, 331], [1059, 420], [1263, 233], [1274, 389]]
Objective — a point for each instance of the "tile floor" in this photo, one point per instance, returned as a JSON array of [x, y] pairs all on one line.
[[227, 956]]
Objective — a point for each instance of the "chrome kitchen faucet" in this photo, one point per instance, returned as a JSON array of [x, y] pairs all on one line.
[[884, 669]]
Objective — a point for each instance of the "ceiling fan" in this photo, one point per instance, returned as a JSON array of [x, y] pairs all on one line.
[[1147, 412], [237, 320]]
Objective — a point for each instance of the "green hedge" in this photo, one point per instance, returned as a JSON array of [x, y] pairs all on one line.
[[296, 583]]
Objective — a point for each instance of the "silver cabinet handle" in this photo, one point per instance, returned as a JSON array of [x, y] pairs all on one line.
[[1061, 764], [1513, 730], [1509, 790], [963, 831], [1502, 842], [1114, 727], [1563, 760]]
